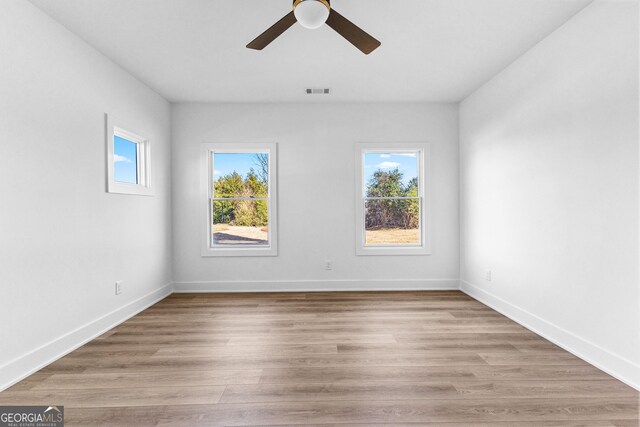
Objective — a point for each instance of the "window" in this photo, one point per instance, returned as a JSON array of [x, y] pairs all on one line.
[[241, 187], [128, 161], [125, 160], [391, 207]]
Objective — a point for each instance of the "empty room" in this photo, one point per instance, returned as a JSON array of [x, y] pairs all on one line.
[[314, 212]]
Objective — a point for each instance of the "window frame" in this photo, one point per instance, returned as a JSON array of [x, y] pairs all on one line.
[[207, 174], [424, 192], [143, 160]]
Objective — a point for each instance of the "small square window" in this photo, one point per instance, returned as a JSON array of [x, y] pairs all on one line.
[[128, 161]]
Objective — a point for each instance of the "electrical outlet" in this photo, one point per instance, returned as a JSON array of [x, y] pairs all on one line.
[[487, 275], [328, 265], [118, 287]]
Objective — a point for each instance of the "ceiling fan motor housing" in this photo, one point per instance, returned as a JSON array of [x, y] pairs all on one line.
[[325, 2], [311, 14]]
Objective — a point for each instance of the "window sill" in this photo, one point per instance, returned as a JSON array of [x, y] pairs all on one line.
[[391, 251], [240, 252], [134, 189]]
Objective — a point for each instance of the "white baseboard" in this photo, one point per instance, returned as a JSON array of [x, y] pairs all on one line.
[[18, 369], [618, 367], [319, 285]]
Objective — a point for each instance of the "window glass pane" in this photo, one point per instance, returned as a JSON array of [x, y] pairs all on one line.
[[240, 175], [392, 222], [390, 174], [240, 222], [125, 160]]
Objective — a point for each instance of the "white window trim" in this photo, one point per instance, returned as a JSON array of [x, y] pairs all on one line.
[[207, 176], [143, 188], [424, 159]]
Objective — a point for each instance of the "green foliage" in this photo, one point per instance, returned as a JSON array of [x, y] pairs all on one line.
[[249, 213], [255, 185], [386, 184], [392, 213]]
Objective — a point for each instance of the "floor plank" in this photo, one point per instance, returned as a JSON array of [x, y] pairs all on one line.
[[149, 379], [353, 358], [469, 412], [130, 396]]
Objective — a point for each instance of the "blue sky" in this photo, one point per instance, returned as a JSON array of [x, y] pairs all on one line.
[[407, 163], [125, 161], [226, 163]]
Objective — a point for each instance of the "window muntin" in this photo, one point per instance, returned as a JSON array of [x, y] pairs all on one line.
[[391, 197], [240, 202], [241, 187], [391, 207]]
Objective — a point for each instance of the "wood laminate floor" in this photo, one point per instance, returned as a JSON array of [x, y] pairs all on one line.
[[395, 358]]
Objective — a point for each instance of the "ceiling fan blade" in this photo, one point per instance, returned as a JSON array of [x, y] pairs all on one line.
[[354, 34], [273, 33]]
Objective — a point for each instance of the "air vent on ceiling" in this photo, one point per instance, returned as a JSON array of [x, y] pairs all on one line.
[[318, 91]]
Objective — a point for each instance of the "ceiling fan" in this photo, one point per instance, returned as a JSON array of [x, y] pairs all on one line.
[[313, 14]]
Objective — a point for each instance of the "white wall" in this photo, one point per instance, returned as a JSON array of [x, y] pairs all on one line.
[[316, 192], [63, 240], [549, 188]]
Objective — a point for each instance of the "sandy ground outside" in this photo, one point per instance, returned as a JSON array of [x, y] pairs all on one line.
[[393, 236], [224, 234]]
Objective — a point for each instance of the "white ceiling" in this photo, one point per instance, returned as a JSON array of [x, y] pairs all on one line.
[[194, 50]]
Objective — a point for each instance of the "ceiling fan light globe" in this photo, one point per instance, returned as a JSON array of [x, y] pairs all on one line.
[[311, 14]]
